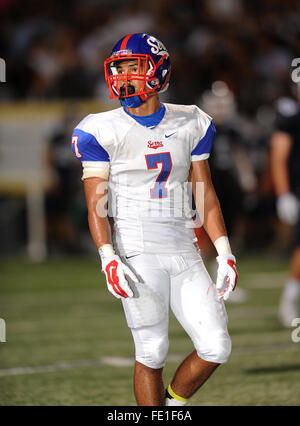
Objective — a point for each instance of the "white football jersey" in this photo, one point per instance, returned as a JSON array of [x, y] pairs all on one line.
[[149, 164]]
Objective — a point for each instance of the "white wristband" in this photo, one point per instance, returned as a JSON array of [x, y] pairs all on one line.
[[106, 251], [222, 245]]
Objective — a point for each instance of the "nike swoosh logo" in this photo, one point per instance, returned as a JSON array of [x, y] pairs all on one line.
[[167, 136]]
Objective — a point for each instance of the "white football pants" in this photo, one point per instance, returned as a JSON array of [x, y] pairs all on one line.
[[183, 283]]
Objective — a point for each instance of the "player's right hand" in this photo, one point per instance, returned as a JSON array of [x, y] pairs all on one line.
[[116, 271], [288, 208]]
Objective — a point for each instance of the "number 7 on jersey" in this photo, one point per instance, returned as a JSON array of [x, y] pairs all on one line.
[[75, 144], [164, 158]]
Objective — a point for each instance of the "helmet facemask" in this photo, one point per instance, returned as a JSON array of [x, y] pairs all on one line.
[[120, 84]]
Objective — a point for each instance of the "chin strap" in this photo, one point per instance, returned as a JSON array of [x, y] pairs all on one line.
[[131, 102]]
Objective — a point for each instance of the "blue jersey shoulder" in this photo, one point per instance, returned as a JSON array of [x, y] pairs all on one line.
[[205, 144], [86, 147]]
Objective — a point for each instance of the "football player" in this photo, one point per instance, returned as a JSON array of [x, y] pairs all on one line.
[[142, 156], [285, 160]]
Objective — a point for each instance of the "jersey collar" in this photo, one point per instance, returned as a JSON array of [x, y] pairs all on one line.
[[150, 121]]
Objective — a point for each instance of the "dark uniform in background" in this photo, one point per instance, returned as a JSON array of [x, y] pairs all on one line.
[[285, 161], [64, 207], [288, 121]]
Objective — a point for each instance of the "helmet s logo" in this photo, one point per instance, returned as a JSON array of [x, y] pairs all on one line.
[[157, 47]]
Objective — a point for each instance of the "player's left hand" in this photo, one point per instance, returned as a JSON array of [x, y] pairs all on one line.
[[227, 275]]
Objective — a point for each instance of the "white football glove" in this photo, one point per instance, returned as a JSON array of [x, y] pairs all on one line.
[[115, 271], [288, 208], [227, 275]]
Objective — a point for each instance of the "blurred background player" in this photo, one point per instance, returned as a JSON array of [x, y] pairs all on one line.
[[64, 206], [146, 151], [231, 170], [285, 167]]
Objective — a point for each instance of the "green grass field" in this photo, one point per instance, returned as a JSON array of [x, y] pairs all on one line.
[[68, 344]]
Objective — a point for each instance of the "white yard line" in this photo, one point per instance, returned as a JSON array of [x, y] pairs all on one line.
[[49, 368], [120, 361]]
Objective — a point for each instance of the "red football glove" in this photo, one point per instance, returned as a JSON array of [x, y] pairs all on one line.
[[227, 275], [115, 272]]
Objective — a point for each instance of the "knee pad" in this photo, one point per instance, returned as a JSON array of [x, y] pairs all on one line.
[[215, 349], [152, 352]]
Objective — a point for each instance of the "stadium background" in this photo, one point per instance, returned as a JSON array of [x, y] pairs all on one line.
[[65, 337]]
